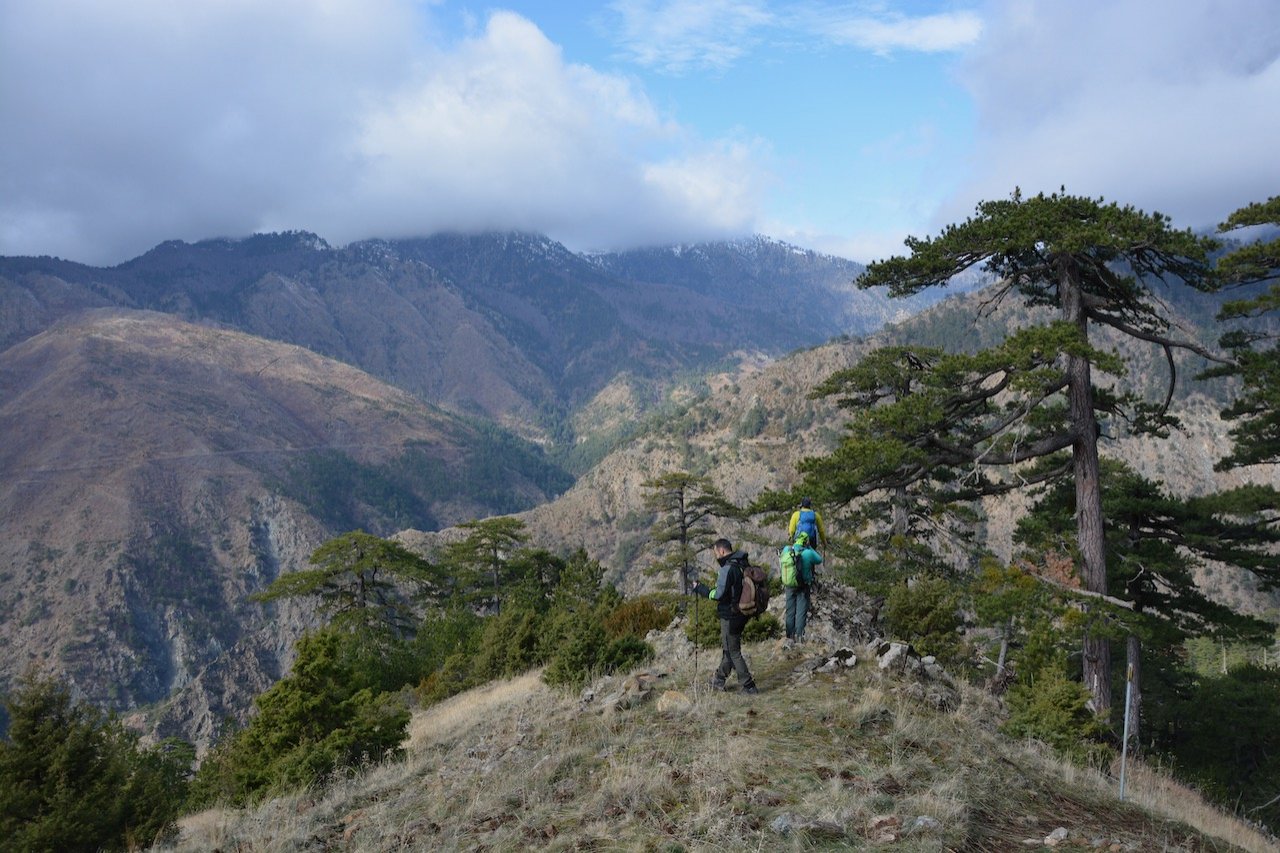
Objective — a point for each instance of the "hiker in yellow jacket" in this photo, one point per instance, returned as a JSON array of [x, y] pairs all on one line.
[[806, 520]]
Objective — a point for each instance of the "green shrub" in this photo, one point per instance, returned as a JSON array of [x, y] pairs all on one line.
[[576, 660], [74, 779], [704, 630], [455, 675], [927, 615], [764, 627], [320, 717], [508, 645], [454, 631], [589, 652], [636, 617], [1223, 735], [1054, 709], [703, 625], [625, 653], [556, 629]]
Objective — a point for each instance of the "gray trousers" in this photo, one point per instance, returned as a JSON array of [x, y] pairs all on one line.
[[797, 611], [731, 651]]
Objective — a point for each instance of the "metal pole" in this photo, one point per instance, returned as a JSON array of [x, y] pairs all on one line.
[[1124, 745], [695, 644]]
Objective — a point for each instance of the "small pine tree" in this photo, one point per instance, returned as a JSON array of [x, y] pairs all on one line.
[[927, 614], [73, 779], [1054, 709], [324, 715]]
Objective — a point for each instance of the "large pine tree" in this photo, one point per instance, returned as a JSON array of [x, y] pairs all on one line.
[[1094, 264], [687, 506]]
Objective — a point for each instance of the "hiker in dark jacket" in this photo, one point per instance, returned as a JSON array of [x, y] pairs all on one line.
[[726, 594]]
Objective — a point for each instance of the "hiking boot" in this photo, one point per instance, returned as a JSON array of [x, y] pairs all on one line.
[[751, 691], [717, 685]]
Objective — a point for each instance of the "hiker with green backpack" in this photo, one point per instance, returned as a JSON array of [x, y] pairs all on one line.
[[798, 562], [728, 596]]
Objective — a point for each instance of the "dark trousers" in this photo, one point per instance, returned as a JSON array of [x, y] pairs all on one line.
[[731, 651]]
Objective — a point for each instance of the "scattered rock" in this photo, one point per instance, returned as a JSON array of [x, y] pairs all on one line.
[[841, 658], [937, 673], [767, 797], [1057, 837], [884, 828], [670, 644], [787, 823], [821, 829], [674, 702], [924, 823], [632, 692], [937, 696], [899, 657], [839, 615], [932, 685]]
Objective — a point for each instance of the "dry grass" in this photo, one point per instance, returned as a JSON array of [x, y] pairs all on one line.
[[467, 710], [518, 765], [1161, 794]]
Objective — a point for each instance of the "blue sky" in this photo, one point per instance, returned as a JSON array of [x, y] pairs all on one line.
[[840, 126]]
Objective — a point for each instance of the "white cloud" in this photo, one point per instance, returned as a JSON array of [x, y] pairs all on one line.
[[127, 124], [1174, 111], [504, 133], [945, 32], [680, 35]]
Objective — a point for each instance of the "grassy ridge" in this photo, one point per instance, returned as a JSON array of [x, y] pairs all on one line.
[[838, 762]]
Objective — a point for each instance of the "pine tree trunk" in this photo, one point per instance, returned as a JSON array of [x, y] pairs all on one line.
[[1005, 631], [1133, 651], [900, 511], [1084, 455]]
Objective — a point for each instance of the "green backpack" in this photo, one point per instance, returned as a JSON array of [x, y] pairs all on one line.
[[789, 561]]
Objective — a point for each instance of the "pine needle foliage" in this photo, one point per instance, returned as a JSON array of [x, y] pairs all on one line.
[[1034, 395], [72, 778]]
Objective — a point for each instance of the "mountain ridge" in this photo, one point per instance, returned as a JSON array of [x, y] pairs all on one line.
[[535, 328]]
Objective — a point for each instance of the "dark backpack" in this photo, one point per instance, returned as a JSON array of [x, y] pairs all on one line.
[[808, 524], [755, 591]]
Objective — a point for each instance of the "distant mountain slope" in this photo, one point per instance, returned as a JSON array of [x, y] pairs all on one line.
[[510, 326], [795, 297], [748, 428], [155, 473]]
